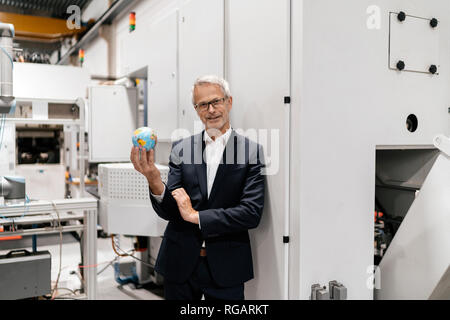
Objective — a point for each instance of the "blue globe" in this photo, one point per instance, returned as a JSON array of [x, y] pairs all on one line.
[[144, 137]]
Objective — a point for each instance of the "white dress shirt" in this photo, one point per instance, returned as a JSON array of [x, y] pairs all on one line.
[[213, 156]]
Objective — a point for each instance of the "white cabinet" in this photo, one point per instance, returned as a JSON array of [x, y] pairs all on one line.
[[112, 121]]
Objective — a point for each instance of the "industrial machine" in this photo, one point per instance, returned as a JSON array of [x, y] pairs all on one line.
[[125, 209], [44, 136], [41, 135], [124, 206]]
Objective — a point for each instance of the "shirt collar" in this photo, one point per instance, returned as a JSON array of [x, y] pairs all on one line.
[[223, 138]]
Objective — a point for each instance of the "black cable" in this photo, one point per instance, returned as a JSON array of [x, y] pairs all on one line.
[[148, 265], [130, 255], [109, 264]]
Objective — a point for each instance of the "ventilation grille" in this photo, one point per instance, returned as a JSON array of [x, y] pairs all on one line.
[[123, 182]]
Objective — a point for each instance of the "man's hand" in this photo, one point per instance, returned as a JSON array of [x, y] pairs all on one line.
[[184, 206], [145, 164]]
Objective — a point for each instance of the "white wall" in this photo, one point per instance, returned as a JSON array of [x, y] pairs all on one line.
[[95, 10], [96, 56]]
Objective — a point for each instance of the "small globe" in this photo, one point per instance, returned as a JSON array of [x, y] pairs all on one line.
[[144, 137]]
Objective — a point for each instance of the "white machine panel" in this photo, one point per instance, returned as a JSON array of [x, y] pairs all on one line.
[[125, 206], [162, 76], [415, 42], [49, 82], [43, 181], [346, 102], [257, 55], [197, 58], [112, 121]]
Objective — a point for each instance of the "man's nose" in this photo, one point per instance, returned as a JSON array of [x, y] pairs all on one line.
[[211, 109]]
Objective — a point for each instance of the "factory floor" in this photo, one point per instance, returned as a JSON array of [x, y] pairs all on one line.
[[107, 287]]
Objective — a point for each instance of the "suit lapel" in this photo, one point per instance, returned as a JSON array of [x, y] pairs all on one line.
[[228, 155], [199, 164]]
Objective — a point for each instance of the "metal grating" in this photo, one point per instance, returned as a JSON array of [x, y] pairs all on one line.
[[45, 8]]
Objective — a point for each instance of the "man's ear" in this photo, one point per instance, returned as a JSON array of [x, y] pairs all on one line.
[[230, 99]]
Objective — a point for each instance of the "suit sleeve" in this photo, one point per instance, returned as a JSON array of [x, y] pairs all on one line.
[[246, 215], [167, 209]]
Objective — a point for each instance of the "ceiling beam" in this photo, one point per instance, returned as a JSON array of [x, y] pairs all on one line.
[[34, 27]]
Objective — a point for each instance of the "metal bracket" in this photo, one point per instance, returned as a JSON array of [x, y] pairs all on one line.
[[337, 290], [442, 143], [319, 293]]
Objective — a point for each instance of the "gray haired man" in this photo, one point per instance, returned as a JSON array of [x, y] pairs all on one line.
[[213, 196]]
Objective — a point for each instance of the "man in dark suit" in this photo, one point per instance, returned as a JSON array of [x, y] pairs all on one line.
[[213, 196]]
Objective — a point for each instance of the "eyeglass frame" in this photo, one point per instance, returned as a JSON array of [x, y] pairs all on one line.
[[222, 101]]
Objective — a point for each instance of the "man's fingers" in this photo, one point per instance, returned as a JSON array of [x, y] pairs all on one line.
[[134, 157], [151, 154], [181, 193], [177, 199], [180, 196], [132, 154], [143, 156], [177, 194], [143, 161]]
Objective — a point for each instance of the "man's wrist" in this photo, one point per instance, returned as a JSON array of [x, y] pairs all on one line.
[[153, 173], [154, 182], [195, 217]]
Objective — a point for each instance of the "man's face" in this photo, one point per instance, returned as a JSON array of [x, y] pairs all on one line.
[[213, 117]]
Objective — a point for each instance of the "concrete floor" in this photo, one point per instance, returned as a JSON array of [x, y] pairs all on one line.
[[108, 288]]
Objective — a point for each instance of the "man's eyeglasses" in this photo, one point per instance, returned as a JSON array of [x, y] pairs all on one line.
[[205, 105]]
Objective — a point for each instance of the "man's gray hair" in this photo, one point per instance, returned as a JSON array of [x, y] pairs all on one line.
[[212, 79]]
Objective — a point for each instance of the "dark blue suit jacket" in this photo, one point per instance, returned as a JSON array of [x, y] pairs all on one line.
[[234, 206]]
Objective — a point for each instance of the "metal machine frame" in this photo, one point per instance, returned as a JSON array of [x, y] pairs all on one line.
[[39, 212]]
